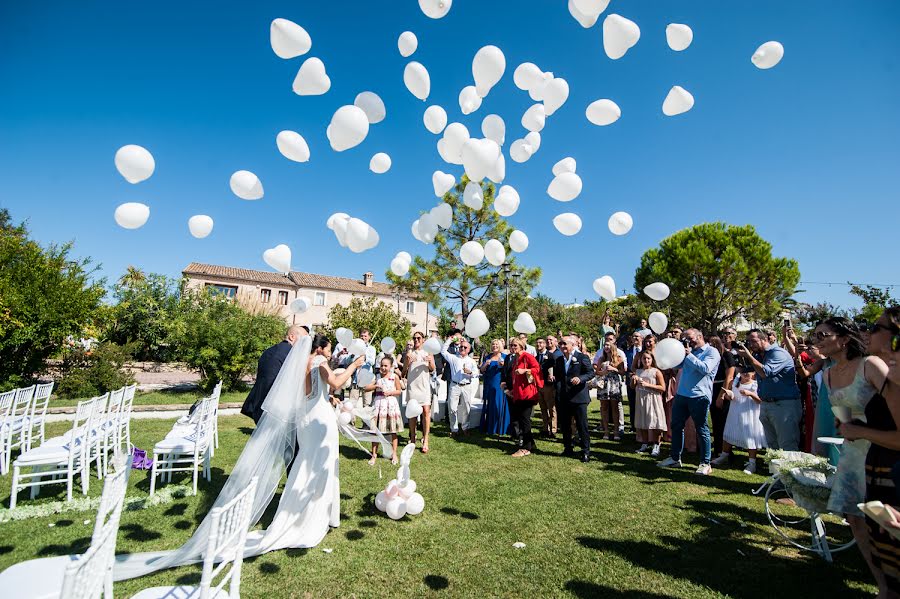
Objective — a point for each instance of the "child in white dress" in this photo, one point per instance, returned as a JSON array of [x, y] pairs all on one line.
[[743, 428], [387, 387]]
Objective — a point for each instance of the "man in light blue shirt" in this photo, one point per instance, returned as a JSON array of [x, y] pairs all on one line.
[[693, 398]]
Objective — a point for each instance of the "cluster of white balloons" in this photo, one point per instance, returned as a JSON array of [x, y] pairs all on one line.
[[279, 258], [524, 324], [477, 323], [135, 164], [400, 497], [426, 227], [353, 233], [605, 287], [523, 149], [542, 87], [400, 266]]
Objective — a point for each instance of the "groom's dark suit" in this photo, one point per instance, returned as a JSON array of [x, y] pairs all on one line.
[[573, 400], [267, 369]]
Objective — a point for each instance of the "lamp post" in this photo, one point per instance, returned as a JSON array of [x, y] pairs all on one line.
[[503, 275], [398, 295]]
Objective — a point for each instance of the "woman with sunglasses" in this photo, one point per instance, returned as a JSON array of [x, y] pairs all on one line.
[[418, 365], [527, 380]]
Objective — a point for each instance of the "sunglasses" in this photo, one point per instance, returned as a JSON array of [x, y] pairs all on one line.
[[563, 344], [418, 337], [822, 335]]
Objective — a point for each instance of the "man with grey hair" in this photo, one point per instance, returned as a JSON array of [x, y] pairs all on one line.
[[573, 370], [267, 369], [463, 383]]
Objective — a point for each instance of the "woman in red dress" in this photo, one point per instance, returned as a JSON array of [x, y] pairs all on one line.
[[526, 381]]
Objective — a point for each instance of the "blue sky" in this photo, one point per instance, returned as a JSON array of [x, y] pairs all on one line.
[[808, 152]]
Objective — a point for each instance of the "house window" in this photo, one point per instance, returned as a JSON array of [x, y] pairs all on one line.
[[282, 298], [265, 295], [410, 307], [226, 290], [319, 299]]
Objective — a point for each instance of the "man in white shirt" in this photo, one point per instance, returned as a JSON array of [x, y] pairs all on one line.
[[463, 383]]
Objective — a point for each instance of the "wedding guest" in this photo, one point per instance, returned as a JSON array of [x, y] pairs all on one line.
[[526, 381], [546, 356], [650, 416], [495, 420], [743, 428], [643, 329], [418, 366], [631, 353], [609, 366], [528, 348], [718, 411], [607, 326], [438, 381], [573, 370], [462, 375], [387, 388]]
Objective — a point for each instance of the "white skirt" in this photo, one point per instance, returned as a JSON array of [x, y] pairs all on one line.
[[743, 428]]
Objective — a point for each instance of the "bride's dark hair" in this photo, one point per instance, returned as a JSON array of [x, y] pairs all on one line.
[[319, 342]]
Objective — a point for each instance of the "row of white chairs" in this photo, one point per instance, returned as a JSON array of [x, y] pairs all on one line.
[[101, 429], [22, 415]]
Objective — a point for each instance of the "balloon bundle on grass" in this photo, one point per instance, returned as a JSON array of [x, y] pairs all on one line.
[[400, 497]]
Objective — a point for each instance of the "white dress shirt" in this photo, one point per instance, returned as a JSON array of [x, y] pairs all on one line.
[[458, 365]]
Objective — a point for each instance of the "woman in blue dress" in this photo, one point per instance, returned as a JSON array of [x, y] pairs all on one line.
[[495, 413]]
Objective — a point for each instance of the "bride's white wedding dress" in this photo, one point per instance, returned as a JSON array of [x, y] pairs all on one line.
[[310, 502]]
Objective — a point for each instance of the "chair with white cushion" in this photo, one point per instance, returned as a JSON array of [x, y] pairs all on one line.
[[13, 425], [125, 417], [227, 537], [217, 392], [37, 415], [6, 401], [95, 439], [109, 427], [186, 448]]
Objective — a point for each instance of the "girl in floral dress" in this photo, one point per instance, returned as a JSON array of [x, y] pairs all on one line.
[[387, 387]]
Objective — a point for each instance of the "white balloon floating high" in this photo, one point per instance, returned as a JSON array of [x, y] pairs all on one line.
[[488, 67], [555, 95], [658, 322], [679, 36], [300, 305], [132, 215], [493, 127], [533, 139], [435, 119], [603, 112], [494, 252], [471, 253], [506, 203], [442, 182], [451, 144], [417, 80], [472, 196], [442, 215], [380, 163], [534, 118], [407, 43], [520, 151], [518, 241], [361, 236], [349, 127], [246, 185], [524, 324], [399, 267], [134, 163], [566, 165], [200, 225], [768, 55], [337, 222], [372, 105], [619, 35], [565, 187], [311, 79], [567, 223], [605, 287], [425, 229], [292, 146], [435, 9], [477, 323], [669, 353], [585, 20], [288, 39], [527, 76], [678, 101], [279, 258], [479, 156], [620, 223], [469, 100], [657, 291]]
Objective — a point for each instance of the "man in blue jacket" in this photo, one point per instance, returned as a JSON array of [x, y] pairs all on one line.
[[267, 369]]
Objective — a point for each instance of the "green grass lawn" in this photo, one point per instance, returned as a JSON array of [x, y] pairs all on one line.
[[615, 527], [158, 398]]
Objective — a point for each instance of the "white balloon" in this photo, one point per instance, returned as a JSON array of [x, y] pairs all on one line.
[[381, 501], [524, 324], [768, 55], [435, 118], [451, 144], [372, 105], [520, 151], [677, 101], [585, 20], [591, 7], [288, 39], [518, 241], [493, 127], [603, 112], [364, 377], [132, 215], [657, 291], [669, 353], [361, 236], [405, 256], [536, 93], [488, 67], [566, 165], [442, 214], [340, 230], [200, 225], [555, 95], [534, 118], [605, 287], [246, 185], [407, 43], [380, 163], [442, 182], [498, 172], [565, 187], [469, 100], [292, 146], [345, 418], [417, 81], [477, 323], [620, 223], [415, 504], [507, 201], [432, 346], [335, 217], [494, 252], [428, 228], [134, 163], [527, 76], [435, 9], [679, 36], [413, 409], [396, 507], [619, 34], [300, 305], [279, 258], [533, 139], [479, 156], [311, 79], [658, 322], [349, 127], [567, 223], [399, 267], [471, 253], [472, 196], [357, 347], [388, 345], [344, 336]]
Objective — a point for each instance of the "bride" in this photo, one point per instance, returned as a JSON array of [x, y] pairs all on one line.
[[297, 408]]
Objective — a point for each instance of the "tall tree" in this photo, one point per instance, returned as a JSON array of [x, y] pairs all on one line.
[[445, 280], [717, 272], [145, 310], [380, 318]]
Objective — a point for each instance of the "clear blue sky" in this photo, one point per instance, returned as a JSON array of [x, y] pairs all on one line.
[[808, 152]]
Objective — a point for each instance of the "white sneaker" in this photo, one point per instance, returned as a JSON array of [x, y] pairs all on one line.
[[669, 463], [655, 452], [643, 448], [750, 468], [721, 460], [704, 469]]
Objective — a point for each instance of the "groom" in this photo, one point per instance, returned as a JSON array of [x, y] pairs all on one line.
[[572, 371], [267, 369]]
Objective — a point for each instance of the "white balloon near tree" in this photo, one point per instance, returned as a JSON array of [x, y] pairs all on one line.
[[279, 258], [679, 36], [292, 146], [678, 101], [469, 100], [657, 291], [488, 67], [534, 118], [603, 112], [471, 253], [506, 203], [524, 324], [567, 223], [479, 157], [477, 323], [494, 252], [768, 55], [619, 35], [669, 353], [435, 9], [399, 267], [349, 127], [372, 104], [518, 241], [380, 163], [407, 43], [417, 80], [605, 287], [493, 127], [659, 322], [388, 345], [246, 185], [620, 223], [134, 163], [132, 215], [435, 119], [200, 225], [311, 79], [288, 39], [565, 187], [442, 182], [472, 196], [442, 215]]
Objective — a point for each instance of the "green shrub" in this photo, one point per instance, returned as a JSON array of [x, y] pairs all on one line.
[[94, 372]]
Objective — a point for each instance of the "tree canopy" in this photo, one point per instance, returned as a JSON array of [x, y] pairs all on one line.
[[368, 313]]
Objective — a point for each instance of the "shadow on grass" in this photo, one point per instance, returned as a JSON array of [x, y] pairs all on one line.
[[354, 535], [177, 509], [183, 525], [297, 552], [191, 579], [76, 546], [246, 430], [269, 568], [354, 453], [590, 590], [437, 583], [137, 532], [4, 549], [368, 523]]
